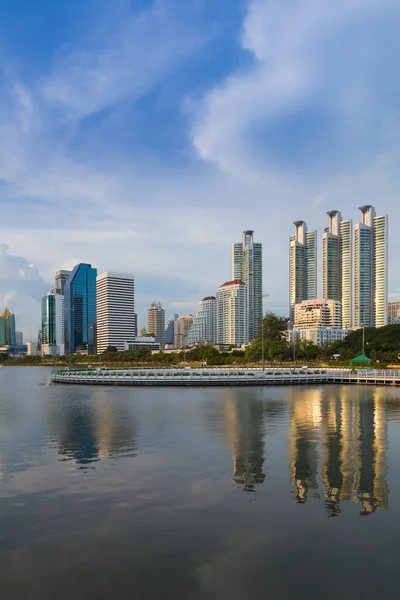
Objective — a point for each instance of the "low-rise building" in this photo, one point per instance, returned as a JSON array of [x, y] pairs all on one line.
[[321, 312], [142, 342], [318, 335]]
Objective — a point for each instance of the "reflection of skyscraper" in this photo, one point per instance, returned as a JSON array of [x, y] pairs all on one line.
[[77, 439], [244, 426], [113, 426], [305, 419], [353, 450]]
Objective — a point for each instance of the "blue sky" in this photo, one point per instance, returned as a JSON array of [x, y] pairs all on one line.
[[144, 136]]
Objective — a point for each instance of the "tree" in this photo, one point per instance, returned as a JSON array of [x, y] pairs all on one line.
[[111, 349], [275, 345]]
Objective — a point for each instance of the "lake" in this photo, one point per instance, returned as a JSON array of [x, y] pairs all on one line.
[[197, 493]]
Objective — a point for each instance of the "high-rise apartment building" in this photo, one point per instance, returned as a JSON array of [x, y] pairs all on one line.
[[156, 323], [370, 269], [80, 309], [7, 328], [52, 332], [247, 267], [394, 311], [203, 329], [116, 318], [337, 264], [232, 313], [302, 266], [60, 281], [182, 328]]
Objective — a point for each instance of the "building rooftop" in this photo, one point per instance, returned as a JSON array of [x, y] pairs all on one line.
[[233, 282], [208, 298]]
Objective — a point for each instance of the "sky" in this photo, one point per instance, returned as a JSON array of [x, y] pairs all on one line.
[[144, 135]]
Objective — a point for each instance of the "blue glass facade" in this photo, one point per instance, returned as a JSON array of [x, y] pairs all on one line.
[[80, 309], [49, 319]]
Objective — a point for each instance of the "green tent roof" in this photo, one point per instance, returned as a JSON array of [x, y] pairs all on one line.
[[360, 359]]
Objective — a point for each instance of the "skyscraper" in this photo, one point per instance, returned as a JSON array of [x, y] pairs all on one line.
[[302, 266], [232, 313], [182, 327], [116, 318], [337, 264], [7, 328], [19, 338], [80, 308], [60, 281], [247, 267], [170, 330], [52, 332], [370, 269], [203, 329], [156, 323]]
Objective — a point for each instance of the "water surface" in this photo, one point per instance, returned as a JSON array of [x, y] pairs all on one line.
[[202, 493]]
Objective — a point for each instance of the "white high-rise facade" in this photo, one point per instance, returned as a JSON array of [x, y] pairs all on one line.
[[371, 269], [302, 266], [232, 313], [337, 264], [203, 329], [116, 319], [321, 312], [247, 267]]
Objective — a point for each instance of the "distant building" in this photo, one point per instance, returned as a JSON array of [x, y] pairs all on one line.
[[302, 266], [170, 330], [60, 281], [232, 313], [139, 343], [318, 335], [31, 349], [203, 328], [7, 328], [52, 331], [320, 312], [80, 309], [247, 267], [116, 318], [156, 323], [19, 338], [394, 311], [182, 327]]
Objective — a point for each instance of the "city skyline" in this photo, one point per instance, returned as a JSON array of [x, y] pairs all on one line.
[[226, 129]]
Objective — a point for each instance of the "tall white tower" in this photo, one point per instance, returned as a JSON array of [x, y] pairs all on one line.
[[303, 266], [116, 319], [337, 264], [247, 267], [371, 269]]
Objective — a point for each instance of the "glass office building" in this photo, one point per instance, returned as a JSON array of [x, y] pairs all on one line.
[[49, 319], [80, 309]]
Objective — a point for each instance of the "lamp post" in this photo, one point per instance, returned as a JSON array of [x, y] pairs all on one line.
[[262, 332]]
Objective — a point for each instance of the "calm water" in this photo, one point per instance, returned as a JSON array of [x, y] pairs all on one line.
[[197, 493]]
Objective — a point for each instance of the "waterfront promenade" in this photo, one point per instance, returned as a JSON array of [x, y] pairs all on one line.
[[225, 377]]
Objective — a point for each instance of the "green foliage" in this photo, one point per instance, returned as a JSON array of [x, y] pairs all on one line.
[[382, 344], [275, 344]]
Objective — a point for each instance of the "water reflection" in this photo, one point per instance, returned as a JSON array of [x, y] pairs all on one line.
[[88, 429], [341, 433]]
